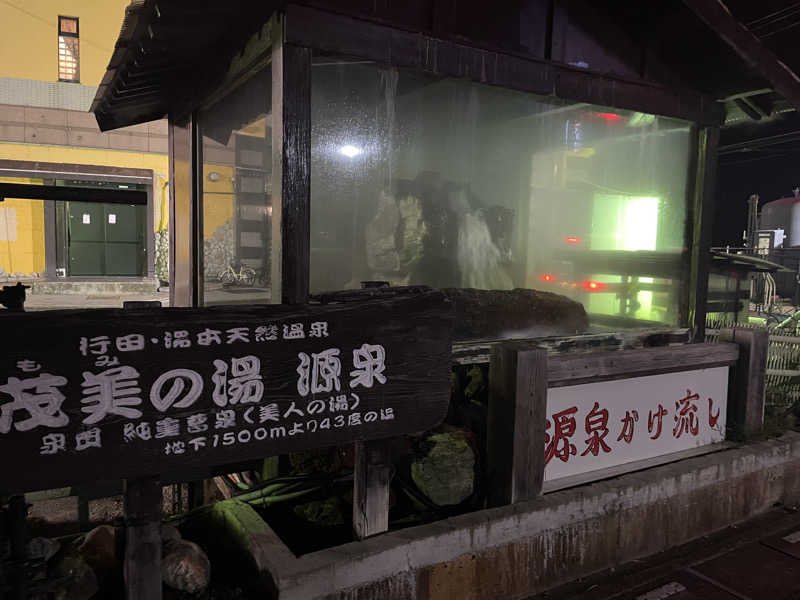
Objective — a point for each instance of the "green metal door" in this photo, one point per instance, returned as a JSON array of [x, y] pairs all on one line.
[[106, 239], [124, 239], [86, 239]]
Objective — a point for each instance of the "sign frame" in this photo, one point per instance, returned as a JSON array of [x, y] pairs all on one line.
[[404, 341]]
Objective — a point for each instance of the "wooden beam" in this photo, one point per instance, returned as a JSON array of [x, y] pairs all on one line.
[[347, 36], [371, 478], [703, 184], [292, 198], [574, 369], [516, 423], [746, 405], [183, 216], [142, 563], [718, 17], [748, 109], [74, 194]]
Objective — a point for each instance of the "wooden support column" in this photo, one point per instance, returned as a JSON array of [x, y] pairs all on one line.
[[17, 532], [516, 422], [184, 214], [702, 215], [371, 477], [291, 170], [142, 563], [746, 387], [142, 504]]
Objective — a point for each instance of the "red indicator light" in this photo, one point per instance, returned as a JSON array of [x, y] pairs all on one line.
[[607, 116], [548, 277], [571, 239], [594, 286]]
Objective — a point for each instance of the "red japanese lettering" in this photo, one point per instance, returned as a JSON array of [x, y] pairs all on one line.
[[631, 417], [597, 430], [563, 428], [657, 421], [685, 417], [712, 418]]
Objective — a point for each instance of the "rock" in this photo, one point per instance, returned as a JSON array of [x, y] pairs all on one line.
[[445, 468], [169, 533], [99, 549], [184, 566], [42, 548], [317, 460], [326, 513], [81, 583], [218, 250], [485, 314], [162, 254]]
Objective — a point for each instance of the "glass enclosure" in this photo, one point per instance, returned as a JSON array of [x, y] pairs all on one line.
[[236, 190], [419, 179]]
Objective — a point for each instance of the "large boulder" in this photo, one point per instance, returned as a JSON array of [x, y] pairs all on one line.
[[78, 579], [444, 469], [518, 313], [41, 548], [184, 566], [99, 550]]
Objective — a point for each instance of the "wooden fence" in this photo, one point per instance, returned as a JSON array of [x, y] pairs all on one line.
[[522, 374], [783, 361]]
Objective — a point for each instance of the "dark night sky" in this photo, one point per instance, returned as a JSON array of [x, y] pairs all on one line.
[[771, 177]]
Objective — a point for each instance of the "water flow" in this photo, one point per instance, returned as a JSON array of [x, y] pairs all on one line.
[[479, 258]]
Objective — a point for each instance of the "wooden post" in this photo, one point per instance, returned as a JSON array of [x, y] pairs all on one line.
[[142, 565], [516, 423], [746, 393], [371, 476], [17, 514], [142, 504]]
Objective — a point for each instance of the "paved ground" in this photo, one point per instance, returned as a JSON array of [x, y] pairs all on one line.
[[36, 302], [758, 560], [213, 295]]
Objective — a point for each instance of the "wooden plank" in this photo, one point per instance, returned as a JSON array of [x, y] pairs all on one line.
[[479, 352], [639, 465], [346, 36], [702, 213], [182, 270], [199, 388], [719, 18], [584, 368], [18, 538], [516, 423], [82, 194], [371, 478], [142, 561], [746, 404], [782, 372], [295, 173]]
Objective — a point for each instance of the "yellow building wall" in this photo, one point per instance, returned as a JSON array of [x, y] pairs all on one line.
[[21, 232], [218, 199], [29, 40], [26, 255]]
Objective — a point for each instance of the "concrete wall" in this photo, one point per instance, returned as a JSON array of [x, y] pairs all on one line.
[[519, 550]]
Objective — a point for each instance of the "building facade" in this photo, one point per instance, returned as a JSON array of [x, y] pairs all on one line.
[[90, 204]]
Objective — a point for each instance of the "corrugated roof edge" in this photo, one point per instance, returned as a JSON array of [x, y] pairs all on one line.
[[133, 24]]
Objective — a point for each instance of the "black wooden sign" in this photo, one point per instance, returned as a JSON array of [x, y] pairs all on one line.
[[104, 394]]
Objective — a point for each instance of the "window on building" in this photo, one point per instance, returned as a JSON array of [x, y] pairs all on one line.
[[69, 66], [419, 179]]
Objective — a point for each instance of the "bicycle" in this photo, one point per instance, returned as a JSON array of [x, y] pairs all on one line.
[[244, 276]]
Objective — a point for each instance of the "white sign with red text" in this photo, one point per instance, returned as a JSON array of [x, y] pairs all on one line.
[[599, 425]]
